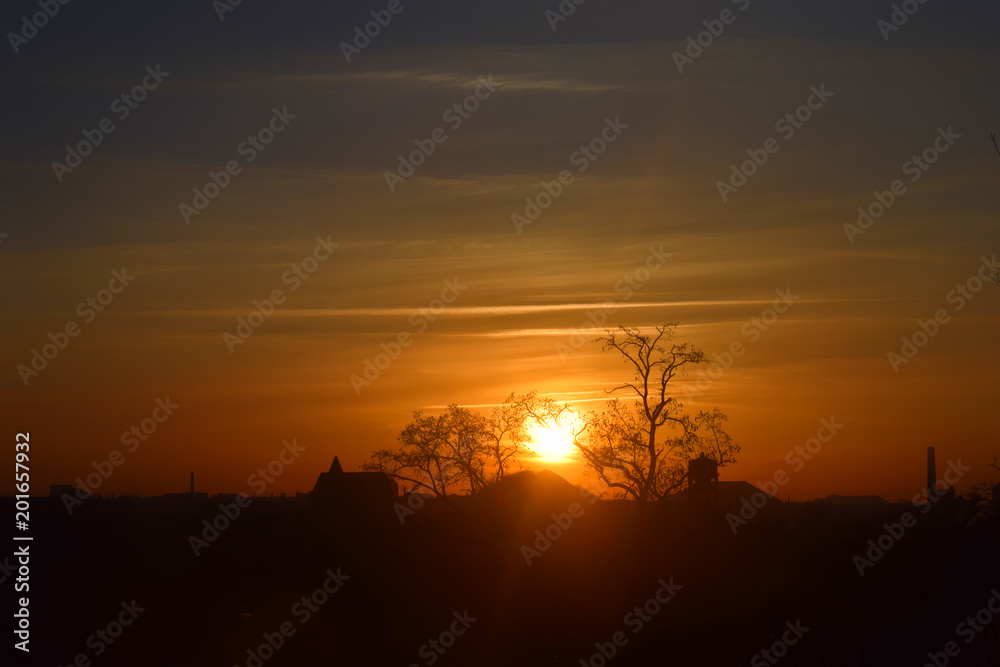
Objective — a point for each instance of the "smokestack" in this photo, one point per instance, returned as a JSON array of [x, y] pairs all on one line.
[[931, 471], [192, 481]]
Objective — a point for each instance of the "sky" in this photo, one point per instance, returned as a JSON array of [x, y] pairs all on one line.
[[518, 293]]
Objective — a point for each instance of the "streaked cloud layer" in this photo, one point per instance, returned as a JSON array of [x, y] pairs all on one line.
[[655, 186]]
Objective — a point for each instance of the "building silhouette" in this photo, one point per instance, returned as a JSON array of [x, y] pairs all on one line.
[[703, 483], [361, 489]]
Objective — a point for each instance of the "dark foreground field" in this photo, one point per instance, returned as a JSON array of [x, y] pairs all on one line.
[[285, 584]]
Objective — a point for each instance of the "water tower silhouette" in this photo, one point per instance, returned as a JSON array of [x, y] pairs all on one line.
[[703, 483]]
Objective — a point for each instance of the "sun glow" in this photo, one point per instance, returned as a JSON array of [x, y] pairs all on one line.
[[551, 442]]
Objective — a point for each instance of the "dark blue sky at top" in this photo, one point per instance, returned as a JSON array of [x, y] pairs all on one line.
[[259, 29], [91, 40], [126, 28], [63, 80]]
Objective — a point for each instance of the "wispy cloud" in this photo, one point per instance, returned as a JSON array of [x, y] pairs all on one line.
[[486, 311]]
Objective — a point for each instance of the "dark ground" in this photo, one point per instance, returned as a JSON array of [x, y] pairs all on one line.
[[406, 582]]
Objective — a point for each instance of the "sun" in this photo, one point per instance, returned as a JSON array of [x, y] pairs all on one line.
[[550, 442]]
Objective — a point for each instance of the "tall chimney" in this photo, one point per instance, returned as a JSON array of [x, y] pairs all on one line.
[[931, 471], [192, 480]]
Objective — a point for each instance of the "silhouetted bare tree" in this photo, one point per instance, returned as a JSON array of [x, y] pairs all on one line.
[[642, 446], [638, 445], [423, 458], [506, 433], [458, 449]]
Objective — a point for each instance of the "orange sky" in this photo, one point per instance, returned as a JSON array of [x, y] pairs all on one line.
[[654, 186]]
